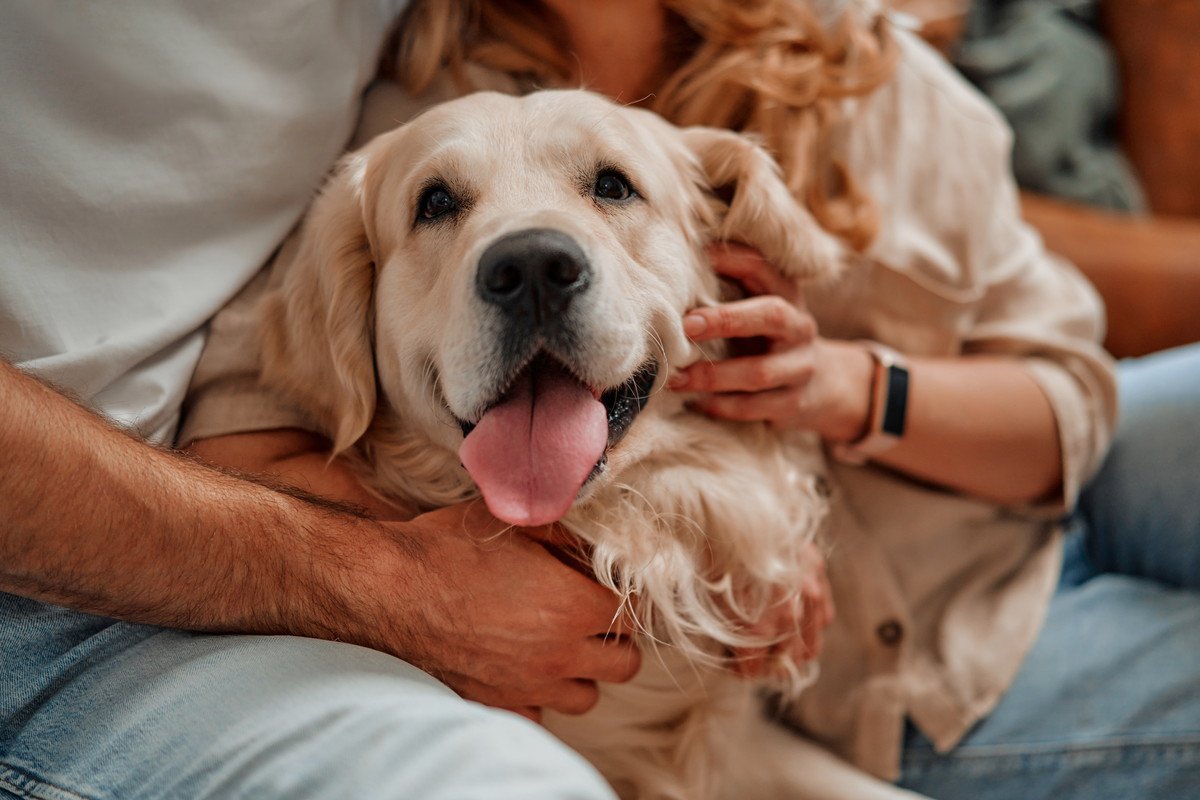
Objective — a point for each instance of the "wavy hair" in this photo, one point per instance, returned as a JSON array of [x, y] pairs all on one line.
[[779, 69]]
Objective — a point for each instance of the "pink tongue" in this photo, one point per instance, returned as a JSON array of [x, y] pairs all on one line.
[[530, 454]]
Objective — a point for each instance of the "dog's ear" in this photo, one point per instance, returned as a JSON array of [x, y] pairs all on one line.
[[318, 321], [757, 207]]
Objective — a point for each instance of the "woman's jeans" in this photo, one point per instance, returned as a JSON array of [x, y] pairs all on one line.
[[1107, 705]]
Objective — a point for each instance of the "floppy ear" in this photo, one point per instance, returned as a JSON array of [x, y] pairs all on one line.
[[318, 322], [759, 210]]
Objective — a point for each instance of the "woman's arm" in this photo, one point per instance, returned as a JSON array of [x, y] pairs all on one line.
[[1022, 406], [977, 424]]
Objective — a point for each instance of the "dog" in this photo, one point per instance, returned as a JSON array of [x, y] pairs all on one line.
[[487, 301]]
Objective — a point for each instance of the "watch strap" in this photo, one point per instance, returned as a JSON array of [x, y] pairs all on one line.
[[888, 414]]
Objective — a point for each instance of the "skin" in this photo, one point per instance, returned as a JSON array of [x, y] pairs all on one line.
[[981, 426], [98, 521], [612, 57]]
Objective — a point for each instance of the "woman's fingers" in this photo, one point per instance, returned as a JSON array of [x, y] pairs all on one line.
[[817, 595], [777, 406], [750, 662], [769, 315], [749, 374], [747, 266]]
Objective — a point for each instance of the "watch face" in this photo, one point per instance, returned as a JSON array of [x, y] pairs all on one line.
[[895, 409]]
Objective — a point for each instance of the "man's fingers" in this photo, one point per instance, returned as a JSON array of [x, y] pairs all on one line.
[[568, 695], [574, 697], [472, 689], [769, 315], [611, 660], [748, 267], [818, 598], [529, 712], [748, 374], [810, 643], [595, 609]]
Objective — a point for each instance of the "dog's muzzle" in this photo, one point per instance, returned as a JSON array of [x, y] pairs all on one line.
[[546, 431]]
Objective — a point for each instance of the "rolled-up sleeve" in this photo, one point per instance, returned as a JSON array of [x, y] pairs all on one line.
[[1036, 305], [975, 278]]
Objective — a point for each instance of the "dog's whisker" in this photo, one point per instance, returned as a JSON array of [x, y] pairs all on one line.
[[692, 525], [640, 100]]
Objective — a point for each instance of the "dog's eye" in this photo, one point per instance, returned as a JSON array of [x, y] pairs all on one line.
[[612, 185], [436, 201]]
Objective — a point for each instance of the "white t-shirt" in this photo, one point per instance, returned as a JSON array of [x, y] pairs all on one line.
[[152, 156]]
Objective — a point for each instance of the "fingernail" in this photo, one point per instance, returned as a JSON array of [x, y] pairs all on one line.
[[678, 380], [694, 324]]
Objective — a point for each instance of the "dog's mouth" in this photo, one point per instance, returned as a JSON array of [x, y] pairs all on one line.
[[546, 436]]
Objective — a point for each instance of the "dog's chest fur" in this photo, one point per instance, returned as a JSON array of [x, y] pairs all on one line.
[[694, 515]]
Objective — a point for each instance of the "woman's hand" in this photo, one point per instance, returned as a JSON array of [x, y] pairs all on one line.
[[796, 624], [791, 377], [979, 424]]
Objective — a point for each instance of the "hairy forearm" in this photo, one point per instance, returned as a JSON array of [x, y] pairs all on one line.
[[95, 520], [980, 425]]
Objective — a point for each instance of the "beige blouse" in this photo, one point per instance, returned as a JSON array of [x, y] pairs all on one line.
[[939, 596]]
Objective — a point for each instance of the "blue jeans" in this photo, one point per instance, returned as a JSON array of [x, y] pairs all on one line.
[[1107, 705], [93, 708]]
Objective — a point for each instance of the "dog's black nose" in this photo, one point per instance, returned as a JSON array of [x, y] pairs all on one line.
[[533, 274]]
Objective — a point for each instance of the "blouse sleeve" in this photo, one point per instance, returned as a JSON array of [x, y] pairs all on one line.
[[936, 156]]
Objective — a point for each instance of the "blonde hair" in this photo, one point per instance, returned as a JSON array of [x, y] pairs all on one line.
[[774, 68]]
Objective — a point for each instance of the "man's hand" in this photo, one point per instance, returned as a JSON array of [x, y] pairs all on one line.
[[495, 612], [489, 610], [94, 520]]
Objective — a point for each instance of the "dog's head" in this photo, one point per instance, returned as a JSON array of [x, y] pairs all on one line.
[[508, 275]]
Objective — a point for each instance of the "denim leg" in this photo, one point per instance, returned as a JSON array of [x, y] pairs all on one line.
[[1106, 706], [1142, 511], [93, 709]]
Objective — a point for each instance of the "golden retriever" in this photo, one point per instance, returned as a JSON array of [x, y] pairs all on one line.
[[487, 301]]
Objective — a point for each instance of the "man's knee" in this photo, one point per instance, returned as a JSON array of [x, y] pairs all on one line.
[[178, 715], [449, 749], [357, 723]]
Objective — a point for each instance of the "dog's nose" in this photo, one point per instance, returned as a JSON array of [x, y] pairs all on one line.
[[533, 274]]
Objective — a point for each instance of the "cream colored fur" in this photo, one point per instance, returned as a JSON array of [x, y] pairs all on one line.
[[699, 524]]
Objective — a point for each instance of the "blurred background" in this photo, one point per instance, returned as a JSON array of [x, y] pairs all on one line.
[[1104, 100]]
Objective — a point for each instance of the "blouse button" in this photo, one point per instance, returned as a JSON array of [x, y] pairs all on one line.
[[890, 632], [822, 488]]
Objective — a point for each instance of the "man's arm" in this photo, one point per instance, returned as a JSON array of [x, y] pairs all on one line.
[[95, 520]]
